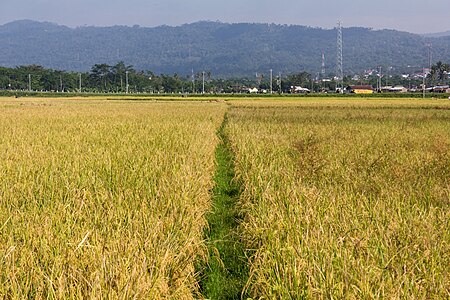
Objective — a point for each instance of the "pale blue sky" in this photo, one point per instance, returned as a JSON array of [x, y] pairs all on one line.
[[409, 15]]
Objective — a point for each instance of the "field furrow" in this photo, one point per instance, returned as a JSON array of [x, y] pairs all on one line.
[[226, 272]]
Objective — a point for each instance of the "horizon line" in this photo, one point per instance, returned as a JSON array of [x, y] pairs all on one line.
[[214, 21]]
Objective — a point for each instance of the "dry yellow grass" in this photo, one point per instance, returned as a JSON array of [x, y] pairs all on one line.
[[104, 199], [345, 199]]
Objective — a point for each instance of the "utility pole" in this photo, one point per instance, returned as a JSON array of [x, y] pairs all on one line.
[[423, 83], [79, 83], [203, 82], [430, 55], [280, 82], [378, 83], [29, 82], [387, 76], [271, 79], [193, 82], [126, 81], [61, 83], [323, 65], [379, 79]]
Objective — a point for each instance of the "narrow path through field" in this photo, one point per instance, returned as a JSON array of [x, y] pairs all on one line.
[[227, 271]]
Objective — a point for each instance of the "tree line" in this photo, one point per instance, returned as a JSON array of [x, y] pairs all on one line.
[[122, 78]]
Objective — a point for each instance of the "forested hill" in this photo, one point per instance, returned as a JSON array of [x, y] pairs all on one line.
[[223, 49]]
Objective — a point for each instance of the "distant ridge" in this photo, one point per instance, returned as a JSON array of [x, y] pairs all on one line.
[[437, 35], [240, 49]]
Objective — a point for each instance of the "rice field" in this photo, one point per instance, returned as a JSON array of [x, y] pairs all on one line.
[[104, 199], [337, 198], [344, 199]]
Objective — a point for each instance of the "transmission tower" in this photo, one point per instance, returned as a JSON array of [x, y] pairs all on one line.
[[339, 59]]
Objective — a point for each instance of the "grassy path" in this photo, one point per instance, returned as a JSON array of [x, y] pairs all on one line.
[[227, 271]]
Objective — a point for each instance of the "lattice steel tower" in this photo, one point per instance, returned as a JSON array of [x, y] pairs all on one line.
[[339, 59]]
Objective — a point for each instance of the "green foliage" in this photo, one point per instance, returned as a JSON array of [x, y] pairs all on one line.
[[226, 272], [112, 79], [224, 49], [439, 73]]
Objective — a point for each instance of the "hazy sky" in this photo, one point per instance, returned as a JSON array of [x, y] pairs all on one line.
[[417, 16]]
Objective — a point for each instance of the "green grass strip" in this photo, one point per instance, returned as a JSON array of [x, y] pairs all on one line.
[[227, 271]]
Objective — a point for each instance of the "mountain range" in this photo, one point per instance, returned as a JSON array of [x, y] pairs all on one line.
[[223, 49]]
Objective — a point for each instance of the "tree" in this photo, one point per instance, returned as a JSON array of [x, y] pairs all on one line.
[[100, 74], [439, 72], [299, 79], [120, 70]]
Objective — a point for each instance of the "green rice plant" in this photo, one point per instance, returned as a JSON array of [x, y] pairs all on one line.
[[344, 198]]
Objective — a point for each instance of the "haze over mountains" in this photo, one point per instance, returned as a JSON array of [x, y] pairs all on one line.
[[223, 49], [437, 34]]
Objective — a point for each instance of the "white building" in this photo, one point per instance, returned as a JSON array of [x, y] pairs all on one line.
[[299, 90]]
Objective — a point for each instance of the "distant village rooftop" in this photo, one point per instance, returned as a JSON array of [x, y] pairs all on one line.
[[359, 89]]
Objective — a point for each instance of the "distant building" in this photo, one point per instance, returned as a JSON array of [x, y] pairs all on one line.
[[386, 89], [253, 90], [299, 90], [441, 89], [359, 89], [398, 89], [394, 89]]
